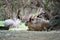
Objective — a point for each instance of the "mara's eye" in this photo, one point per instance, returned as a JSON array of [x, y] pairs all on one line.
[[32, 19]]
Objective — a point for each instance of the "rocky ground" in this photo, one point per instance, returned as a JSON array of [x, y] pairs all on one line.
[[29, 35]]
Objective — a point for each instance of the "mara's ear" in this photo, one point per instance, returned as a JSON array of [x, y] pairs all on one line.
[[29, 19]]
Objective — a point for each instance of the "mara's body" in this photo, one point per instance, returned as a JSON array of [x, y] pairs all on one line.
[[37, 24]]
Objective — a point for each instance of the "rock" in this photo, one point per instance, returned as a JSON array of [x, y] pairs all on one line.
[[29, 35], [55, 22]]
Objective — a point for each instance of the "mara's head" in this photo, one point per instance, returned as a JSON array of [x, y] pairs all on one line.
[[28, 22]]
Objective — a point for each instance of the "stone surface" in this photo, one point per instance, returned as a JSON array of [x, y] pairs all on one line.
[[29, 35]]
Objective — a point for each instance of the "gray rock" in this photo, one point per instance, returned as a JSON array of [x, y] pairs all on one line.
[[29, 35]]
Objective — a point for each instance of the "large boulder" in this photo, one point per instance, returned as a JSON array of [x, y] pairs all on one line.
[[11, 23], [55, 22]]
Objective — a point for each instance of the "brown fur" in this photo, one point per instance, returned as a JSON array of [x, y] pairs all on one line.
[[40, 27]]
